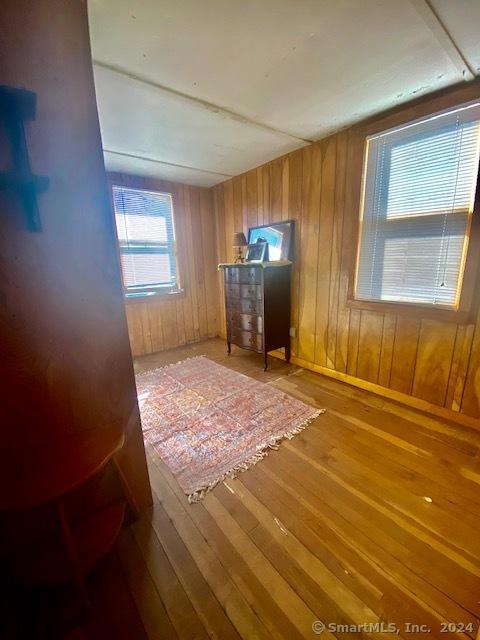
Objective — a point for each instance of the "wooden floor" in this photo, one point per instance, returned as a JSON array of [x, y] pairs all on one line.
[[371, 514]]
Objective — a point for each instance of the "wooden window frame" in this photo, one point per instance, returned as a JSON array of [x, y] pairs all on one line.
[[469, 296], [133, 182]]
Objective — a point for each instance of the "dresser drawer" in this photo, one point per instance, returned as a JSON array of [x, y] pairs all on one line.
[[251, 275], [245, 322], [232, 274], [251, 291], [247, 291], [243, 275], [246, 339], [244, 305], [232, 290]]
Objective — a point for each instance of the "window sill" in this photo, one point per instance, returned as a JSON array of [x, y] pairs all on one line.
[[154, 296], [414, 310]]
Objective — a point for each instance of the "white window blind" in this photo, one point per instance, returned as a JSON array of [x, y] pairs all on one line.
[[418, 195], [147, 240]]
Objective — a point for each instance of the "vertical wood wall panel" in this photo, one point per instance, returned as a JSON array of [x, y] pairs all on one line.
[[405, 347], [295, 201], [470, 403], [336, 252], [218, 203], [276, 191], [434, 360], [312, 167], [370, 345], [161, 323], [325, 233], [260, 208], [461, 358], [252, 198], [353, 338], [386, 354]]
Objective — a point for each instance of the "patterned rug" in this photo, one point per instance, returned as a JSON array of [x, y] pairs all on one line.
[[208, 422]]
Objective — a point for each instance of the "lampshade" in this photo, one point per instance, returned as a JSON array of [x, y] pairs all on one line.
[[239, 240]]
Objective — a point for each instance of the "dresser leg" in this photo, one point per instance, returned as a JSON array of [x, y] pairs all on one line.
[[229, 348], [265, 359], [287, 353]]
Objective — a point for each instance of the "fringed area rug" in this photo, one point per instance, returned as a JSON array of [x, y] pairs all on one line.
[[208, 422]]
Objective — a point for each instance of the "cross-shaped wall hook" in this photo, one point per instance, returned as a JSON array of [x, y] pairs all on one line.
[[16, 106]]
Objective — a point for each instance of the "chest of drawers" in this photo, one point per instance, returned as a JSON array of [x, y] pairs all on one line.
[[257, 306]]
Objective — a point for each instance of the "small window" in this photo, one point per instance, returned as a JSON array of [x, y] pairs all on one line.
[[418, 196], [147, 241]]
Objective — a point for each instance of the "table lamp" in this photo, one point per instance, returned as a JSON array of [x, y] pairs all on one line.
[[239, 241]]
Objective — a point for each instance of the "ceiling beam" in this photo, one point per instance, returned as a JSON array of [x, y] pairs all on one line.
[[204, 104], [169, 164], [444, 38]]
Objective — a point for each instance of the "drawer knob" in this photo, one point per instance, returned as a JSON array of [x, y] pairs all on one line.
[[252, 340]]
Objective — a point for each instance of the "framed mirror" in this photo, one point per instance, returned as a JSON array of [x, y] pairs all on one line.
[[279, 237]]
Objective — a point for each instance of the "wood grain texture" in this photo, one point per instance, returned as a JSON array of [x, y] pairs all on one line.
[[435, 361], [333, 526], [160, 323]]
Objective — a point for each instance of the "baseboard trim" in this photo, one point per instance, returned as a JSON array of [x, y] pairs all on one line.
[[391, 394]]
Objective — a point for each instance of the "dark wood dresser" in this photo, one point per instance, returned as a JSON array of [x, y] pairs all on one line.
[[257, 303]]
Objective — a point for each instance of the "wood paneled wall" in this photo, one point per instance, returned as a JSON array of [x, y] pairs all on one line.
[[164, 322], [437, 362]]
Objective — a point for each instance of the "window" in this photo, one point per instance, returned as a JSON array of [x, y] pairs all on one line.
[[147, 241], [417, 204]]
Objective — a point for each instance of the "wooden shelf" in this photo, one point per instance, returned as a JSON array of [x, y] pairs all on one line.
[[48, 562], [33, 476]]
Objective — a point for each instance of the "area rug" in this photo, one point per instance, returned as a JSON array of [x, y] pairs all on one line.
[[208, 422]]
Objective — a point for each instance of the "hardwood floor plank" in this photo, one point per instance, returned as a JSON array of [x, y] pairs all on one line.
[[177, 603], [154, 617]]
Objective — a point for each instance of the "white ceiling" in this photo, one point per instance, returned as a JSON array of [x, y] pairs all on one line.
[[200, 90]]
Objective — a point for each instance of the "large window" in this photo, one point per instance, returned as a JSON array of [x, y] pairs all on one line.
[[147, 241], [418, 195]]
